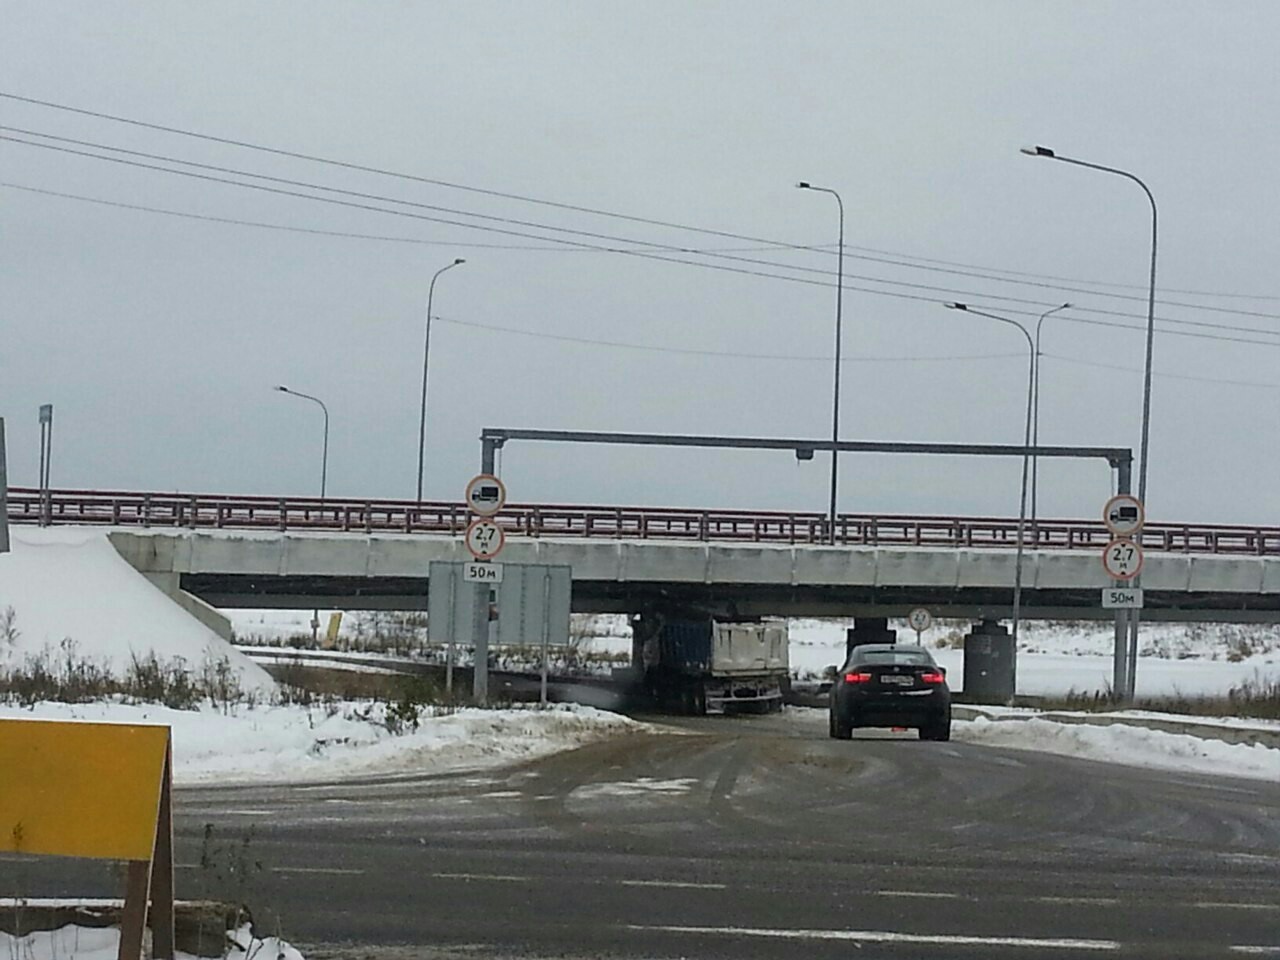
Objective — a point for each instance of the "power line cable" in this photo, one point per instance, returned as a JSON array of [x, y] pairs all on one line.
[[142, 208], [650, 255], [728, 354], [583, 233], [773, 244], [1167, 376]]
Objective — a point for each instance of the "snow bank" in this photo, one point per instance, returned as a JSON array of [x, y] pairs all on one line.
[[71, 582], [103, 943], [299, 743], [1056, 658], [1136, 746]]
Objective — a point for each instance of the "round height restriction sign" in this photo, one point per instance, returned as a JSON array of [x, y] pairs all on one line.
[[1123, 559], [1124, 515], [920, 619], [485, 539], [485, 495]]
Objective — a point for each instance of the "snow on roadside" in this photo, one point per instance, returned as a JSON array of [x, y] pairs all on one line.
[[72, 583], [103, 943], [1116, 743], [295, 743]]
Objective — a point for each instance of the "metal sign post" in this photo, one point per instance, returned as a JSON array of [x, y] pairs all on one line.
[[46, 457], [919, 620], [4, 495], [1124, 516], [485, 496]]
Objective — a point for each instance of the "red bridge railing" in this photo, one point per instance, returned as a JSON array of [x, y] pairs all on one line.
[[302, 514]]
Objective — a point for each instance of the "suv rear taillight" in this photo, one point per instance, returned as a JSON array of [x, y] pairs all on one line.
[[932, 676], [857, 677]]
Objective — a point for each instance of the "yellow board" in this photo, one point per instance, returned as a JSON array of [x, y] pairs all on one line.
[[80, 789]]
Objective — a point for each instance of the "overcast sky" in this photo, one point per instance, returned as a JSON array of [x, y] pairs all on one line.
[[158, 338]]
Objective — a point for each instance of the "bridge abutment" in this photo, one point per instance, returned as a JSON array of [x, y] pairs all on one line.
[[868, 630]]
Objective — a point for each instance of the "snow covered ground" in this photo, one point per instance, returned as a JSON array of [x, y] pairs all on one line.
[[1054, 658], [71, 583], [297, 743], [1118, 743], [103, 943]]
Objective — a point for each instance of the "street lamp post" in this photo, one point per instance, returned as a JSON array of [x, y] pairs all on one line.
[[324, 478], [426, 360], [1134, 615], [835, 391], [1026, 443], [1035, 421]]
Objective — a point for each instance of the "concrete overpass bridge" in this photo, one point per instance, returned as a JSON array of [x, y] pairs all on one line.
[[374, 554]]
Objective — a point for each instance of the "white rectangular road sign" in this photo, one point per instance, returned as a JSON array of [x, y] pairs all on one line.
[[482, 572], [1122, 598]]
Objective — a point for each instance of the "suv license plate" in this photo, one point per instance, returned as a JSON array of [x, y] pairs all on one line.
[[897, 680]]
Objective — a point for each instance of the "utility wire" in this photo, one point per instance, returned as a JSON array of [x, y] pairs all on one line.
[[773, 244], [650, 255], [728, 354], [323, 233], [582, 233], [1167, 376], [593, 235]]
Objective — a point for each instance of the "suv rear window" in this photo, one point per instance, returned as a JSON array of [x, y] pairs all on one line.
[[909, 658]]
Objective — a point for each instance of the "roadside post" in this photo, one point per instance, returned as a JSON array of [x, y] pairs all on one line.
[[97, 791], [4, 495], [485, 497], [46, 459], [1124, 516], [919, 620]]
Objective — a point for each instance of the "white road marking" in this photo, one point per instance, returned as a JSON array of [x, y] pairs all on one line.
[[1257, 951], [891, 936], [674, 884], [922, 894], [505, 878], [1088, 901], [341, 871], [1215, 905]]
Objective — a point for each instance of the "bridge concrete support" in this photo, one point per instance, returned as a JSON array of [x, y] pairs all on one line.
[[990, 664], [868, 630], [211, 617]]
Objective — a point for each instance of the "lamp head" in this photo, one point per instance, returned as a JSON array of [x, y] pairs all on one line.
[[803, 185], [282, 388], [956, 306], [1037, 151], [804, 453], [458, 261]]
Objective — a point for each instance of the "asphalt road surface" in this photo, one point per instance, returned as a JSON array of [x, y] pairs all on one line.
[[755, 837]]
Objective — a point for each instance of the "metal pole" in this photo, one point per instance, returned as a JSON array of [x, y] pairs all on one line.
[[4, 494], [1026, 450], [480, 625], [835, 391], [1120, 662], [324, 480], [46, 464], [1035, 426], [1135, 616], [546, 630], [426, 360]]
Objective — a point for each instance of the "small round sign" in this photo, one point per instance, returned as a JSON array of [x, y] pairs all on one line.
[[1122, 559], [485, 495], [1124, 515], [920, 619], [485, 539]]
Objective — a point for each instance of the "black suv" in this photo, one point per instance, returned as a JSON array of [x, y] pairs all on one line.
[[891, 685]]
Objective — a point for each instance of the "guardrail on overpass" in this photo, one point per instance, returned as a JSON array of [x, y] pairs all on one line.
[[332, 514]]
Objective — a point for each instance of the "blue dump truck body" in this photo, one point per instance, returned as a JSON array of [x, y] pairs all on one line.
[[709, 666]]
